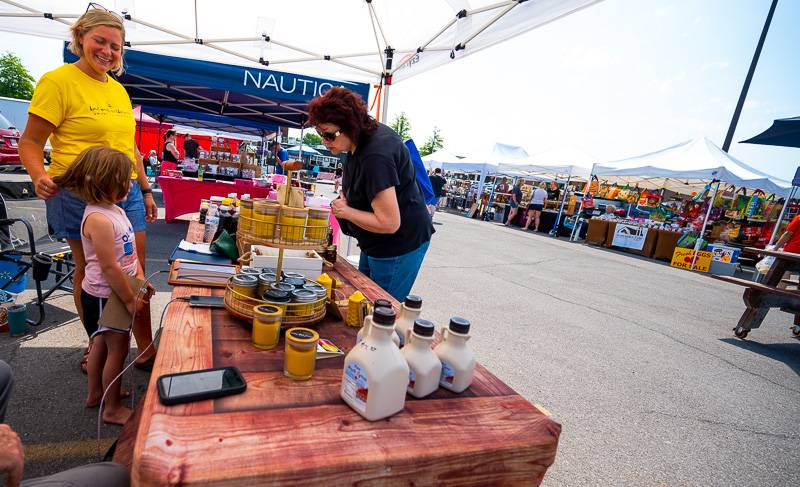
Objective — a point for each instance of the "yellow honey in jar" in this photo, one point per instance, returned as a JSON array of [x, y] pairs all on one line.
[[293, 223], [317, 227], [301, 353], [266, 326], [303, 302], [265, 216], [245, 215], [244, 285]]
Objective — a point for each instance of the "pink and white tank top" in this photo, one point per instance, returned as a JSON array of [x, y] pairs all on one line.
[[94, 282]]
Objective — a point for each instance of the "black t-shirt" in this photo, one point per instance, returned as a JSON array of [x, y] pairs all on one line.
[[190, 148], [381, 161], [518, 193], [437, 183]]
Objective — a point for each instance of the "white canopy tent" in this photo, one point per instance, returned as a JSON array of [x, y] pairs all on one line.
[[442, 156], [688, 167], [367, 41]]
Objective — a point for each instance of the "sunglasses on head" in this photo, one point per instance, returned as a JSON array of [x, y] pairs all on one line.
[[97, 6], [329, 136]]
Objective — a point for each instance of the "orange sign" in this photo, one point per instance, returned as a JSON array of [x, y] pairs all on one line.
[[682, 259]]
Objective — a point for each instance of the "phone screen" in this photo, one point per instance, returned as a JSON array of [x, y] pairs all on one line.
[[200, 382], [207, 301]]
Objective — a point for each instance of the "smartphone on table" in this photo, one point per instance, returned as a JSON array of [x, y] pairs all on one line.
[[199, 384], [207, 301]]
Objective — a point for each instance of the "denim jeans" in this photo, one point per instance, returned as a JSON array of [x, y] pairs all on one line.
[[396, 275]]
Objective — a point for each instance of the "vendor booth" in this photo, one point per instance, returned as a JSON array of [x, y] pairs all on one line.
[[692, 194]]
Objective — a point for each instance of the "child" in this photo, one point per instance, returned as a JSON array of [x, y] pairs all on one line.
[[101, 176]]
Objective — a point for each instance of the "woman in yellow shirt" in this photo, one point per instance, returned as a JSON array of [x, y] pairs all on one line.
[[79, 106]]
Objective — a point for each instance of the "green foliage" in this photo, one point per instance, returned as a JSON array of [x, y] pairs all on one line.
[[312, 139], [15, 80], [402, 126], [434, 143]]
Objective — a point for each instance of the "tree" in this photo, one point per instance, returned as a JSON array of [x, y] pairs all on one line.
[[312, 139], [434, 143], [402, 126], [15, 80]]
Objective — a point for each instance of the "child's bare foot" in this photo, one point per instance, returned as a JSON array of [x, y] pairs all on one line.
[[94, 400], [116, 416]]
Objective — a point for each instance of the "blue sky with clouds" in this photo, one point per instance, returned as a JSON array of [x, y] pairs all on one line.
[[618, 79]]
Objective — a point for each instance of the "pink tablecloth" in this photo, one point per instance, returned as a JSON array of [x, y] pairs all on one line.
[[183, 195]]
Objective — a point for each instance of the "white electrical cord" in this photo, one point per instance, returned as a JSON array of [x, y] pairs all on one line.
[[139, 293]]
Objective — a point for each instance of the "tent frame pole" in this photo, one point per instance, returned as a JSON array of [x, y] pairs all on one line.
[[554, 230], [780, 216], [705, 222]]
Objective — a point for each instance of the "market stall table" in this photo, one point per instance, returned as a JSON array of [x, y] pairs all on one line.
[[597, 232], [284, 432], [666, 241], [648, 246], [183, 195]]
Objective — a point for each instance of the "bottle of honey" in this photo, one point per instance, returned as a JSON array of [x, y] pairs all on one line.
[[409, 312], [458, 361], [375, 375], [424, 367]]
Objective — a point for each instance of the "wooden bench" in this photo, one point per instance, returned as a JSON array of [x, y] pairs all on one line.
[[760, 297]]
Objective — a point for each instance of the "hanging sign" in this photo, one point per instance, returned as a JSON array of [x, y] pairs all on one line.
[[629, 236], [682, 259]]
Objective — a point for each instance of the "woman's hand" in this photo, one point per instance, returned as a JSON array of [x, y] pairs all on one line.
[[45, 187], [339, 206], [150, 208]]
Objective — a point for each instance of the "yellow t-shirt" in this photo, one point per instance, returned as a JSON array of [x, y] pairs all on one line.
[[86, 113]]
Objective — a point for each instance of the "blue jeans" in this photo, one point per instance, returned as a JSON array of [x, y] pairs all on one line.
[[396, 275], [65, 212]]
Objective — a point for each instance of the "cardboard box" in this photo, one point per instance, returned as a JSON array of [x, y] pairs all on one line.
[[306, 262]]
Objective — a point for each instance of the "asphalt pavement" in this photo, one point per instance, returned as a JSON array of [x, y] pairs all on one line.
[[636, 361]]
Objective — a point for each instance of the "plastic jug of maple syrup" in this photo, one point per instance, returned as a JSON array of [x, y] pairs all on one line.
[[424, 367], [375, 373], [458, 361], [364, 331], [409, 312]]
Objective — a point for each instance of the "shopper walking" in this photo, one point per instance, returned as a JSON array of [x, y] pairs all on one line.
[[514, 202], [536, 206], [380, 203], [438, 184]]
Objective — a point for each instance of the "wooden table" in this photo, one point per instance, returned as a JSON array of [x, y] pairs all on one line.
[[648, 246], [597, 232], [666, 241], [770, 292], [285, 432]]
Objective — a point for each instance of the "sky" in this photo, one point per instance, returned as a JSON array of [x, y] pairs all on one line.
[[615, 80]]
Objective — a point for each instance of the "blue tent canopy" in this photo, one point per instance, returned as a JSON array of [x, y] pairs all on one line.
[[224, 96]]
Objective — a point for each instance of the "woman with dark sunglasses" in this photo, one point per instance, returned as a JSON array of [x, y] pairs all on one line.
[[380, 203]]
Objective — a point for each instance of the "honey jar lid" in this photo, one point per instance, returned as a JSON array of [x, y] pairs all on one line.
[[304, 296], [301, 335], [383, 316], [245, 280], [413, 301], [281, 286], [266, 309], [382, 303], [459, 325], [276, 296], [423, 328]]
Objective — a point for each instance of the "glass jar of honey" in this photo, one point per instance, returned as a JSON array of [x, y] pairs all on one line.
[[245, 215], [265, 216], [307, 298], [301, 353], [266, 326], [244, 285], [293, 223], [317, 227]]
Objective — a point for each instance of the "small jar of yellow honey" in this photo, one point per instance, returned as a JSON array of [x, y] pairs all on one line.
[[244, 285], [266, 326], [317, 226], [293, 223], [265, 216], [303, 302], [301, 353], [245, 215]]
